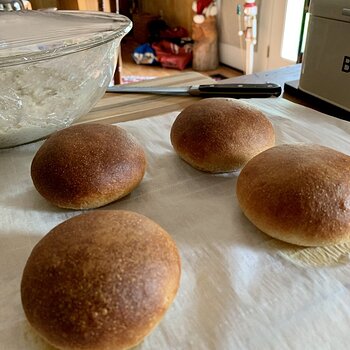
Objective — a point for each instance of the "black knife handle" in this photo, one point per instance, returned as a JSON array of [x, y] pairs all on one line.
[[239, 90]]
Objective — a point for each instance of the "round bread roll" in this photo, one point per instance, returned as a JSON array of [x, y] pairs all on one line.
[[88, 166], [220, 134], [100, 281], [299, 194]]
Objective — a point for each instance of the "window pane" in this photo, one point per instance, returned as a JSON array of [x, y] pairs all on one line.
[[291, 34]]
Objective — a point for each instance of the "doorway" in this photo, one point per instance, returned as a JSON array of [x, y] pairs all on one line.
[[280, 25]]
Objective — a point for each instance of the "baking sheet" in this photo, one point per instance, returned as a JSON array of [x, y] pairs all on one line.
[[238, 290]]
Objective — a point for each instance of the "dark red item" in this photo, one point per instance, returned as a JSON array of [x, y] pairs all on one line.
[[170, 55]]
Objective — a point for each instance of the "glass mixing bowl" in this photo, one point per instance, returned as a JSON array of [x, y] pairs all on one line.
[[54, 66]]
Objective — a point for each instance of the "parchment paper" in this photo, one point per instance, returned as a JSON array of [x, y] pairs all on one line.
[[237, 290]]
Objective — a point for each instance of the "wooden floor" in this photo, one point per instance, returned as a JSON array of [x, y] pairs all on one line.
[[130, 68]]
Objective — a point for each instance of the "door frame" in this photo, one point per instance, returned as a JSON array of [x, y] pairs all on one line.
[[266, 50]]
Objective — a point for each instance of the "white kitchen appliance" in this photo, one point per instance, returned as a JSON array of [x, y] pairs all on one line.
[[326, 62]]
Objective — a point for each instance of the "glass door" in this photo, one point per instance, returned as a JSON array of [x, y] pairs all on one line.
[[278, 35], [286, 29]]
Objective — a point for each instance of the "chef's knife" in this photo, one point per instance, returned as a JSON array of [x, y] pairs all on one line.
[[210, 90]]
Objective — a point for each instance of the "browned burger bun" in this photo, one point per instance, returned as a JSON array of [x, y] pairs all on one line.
[[220, 134], [298, 193], [100, 281], [88, 166]]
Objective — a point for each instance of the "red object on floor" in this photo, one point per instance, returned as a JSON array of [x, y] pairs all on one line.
[[170, 55]]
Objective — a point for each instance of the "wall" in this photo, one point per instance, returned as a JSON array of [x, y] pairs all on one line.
[[174, 12], [89, 5], [179, 12], [42, 4]]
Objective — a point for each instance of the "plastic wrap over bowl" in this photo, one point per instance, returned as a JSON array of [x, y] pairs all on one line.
[[54, 66]]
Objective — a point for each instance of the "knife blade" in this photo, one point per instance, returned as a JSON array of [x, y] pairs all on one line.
[[209, 90]]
